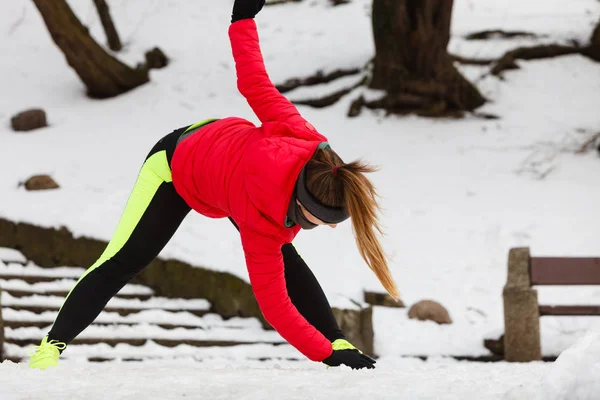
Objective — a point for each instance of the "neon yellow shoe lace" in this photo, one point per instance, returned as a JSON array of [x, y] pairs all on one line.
[[46, 353]]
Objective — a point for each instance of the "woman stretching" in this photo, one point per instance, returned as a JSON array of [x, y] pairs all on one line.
[[270, 181]]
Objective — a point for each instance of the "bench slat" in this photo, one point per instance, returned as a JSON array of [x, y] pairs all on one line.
[[564, 271], [569, 310]]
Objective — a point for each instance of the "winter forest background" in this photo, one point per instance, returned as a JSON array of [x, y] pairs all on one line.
[[482, 115]]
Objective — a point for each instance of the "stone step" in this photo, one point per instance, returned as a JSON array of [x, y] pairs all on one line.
[[146, 359], [134, 326], [33, 278], [119, 310], [47, 324], [11, 256], [23, 280], [16, 318], [36, 273], [39, 303], [141, 342], [22, 285], [64, 293], [151, 350], [137, 335]]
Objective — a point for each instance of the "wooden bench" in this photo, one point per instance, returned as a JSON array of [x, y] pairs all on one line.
[[521, 309]]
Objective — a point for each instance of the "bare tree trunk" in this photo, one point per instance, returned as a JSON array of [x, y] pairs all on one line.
[[412, 63], [112, 36], [103, 75]]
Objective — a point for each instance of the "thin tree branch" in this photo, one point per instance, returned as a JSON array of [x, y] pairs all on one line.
[[112, 36]]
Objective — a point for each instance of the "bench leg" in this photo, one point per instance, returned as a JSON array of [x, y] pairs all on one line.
[[521, 311], [521, 325]]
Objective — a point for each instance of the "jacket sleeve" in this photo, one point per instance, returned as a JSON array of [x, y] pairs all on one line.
[[266, 271], [254, 83]]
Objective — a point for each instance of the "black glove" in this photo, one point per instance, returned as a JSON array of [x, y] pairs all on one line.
[[243, 9], [352, 358]]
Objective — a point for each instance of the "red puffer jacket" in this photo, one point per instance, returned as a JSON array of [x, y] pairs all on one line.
[[232, 168]]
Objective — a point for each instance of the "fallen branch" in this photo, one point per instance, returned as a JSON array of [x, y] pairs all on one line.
[[498, 33], [508, 60], [472, 61], [590, 144], [329, 99], [114, 42], [316, 79], [278, 2], [409, 103]]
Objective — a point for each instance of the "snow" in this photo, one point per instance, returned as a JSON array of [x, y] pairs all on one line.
[[11, 256], [33, 270], [225, 379], [574, 375], [154, 302], [63, 284], [456, 194], [181, 318], [152, 351], [147, 331], [224, 373]]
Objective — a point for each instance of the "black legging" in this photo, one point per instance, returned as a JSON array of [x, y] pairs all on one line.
[[155, 207]]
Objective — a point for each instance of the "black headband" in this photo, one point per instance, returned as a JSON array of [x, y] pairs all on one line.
[[330, 215]]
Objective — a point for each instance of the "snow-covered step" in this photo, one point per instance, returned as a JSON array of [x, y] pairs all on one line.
[[135, 325], [139, 334], [11, 256], [39, 303], [18, 287], [141, 341], [153, 351], [19, 269], [164, 319]]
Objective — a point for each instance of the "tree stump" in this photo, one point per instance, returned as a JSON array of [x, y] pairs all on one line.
[[412, 64], [29, 120], [103, 75]]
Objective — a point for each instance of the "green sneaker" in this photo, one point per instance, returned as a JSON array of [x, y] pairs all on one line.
[[46, 354]]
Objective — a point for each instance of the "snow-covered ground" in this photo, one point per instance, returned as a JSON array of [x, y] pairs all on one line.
[[574, 376], [456, 194]]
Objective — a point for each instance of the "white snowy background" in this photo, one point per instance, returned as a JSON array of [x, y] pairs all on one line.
[[456, 194]]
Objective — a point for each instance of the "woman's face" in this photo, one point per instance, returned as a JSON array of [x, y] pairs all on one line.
[[312, 218]]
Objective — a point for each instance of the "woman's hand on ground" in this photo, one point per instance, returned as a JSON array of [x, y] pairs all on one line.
[[244, 9], [352, 358]]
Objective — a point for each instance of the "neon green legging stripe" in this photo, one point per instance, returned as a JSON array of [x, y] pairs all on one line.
[[199, 124], [154, 172]]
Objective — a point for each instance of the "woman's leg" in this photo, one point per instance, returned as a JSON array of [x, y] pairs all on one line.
[[153, 213]]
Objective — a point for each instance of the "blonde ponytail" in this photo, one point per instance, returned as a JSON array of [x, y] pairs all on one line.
[[348, 187]]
